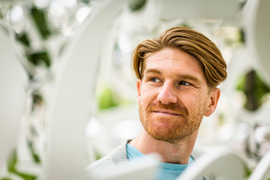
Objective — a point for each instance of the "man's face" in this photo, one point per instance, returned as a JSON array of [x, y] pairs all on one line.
[[173, 95]]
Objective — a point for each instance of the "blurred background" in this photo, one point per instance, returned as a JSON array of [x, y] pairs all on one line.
[[44, 34]]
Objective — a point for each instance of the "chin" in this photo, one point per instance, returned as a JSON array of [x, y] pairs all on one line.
[[170, 140], [170, 133], [166, 136]]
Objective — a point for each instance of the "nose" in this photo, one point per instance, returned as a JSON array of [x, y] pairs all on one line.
[[167, 94]]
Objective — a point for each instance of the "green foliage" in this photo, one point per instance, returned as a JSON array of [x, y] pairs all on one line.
[[1, 14], [241, 39], [11, 165], [40, 57], [23, 38], [85, 1], [12, 161], [184, 24], [248, 172], [254, 89], [107, 98], [136, 5], [241, 84], [40, 20], [98, 155], [37, 98], [33, 153]]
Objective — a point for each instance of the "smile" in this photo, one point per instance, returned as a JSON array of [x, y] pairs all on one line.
[[166, 112]]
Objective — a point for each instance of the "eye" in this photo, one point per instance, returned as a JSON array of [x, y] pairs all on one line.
[[184, 83], [155, 80]]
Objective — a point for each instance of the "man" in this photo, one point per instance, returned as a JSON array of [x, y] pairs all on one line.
[[178, 74]]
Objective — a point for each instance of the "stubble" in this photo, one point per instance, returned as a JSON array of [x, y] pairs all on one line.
[[176, 129]]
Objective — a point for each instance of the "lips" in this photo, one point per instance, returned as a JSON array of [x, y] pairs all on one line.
[[166, 112], [167, 109]]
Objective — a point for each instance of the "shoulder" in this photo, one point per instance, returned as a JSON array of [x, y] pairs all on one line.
[[117, 156], [100, 165]]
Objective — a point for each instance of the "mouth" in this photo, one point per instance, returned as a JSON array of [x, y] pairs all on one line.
[[166, 112]]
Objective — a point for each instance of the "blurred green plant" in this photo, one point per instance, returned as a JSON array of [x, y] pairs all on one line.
[[40, 20], [85, 1], [248, 172], [254, 89], [136, 5], [11, 165], [238, 39], [24, 39], [33, 153], [107, 97], [38, 58]]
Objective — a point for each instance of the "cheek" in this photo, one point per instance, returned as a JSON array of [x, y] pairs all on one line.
[[191, 100], [148, 94]]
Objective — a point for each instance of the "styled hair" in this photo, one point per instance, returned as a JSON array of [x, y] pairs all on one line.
[[189, 41]]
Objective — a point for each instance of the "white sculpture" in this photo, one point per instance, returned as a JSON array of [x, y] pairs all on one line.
[[13, 80]]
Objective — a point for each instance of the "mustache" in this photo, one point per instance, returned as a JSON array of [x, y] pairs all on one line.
[[176, 107]]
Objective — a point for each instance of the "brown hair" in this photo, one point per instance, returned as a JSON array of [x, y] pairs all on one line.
[[189, 41]]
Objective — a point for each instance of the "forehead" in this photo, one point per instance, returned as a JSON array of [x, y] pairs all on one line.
[[174, 60]]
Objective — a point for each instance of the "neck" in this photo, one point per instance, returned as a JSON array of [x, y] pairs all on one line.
[[177, 153]]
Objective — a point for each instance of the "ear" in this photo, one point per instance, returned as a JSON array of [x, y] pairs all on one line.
[[139, 84], [212, 102]]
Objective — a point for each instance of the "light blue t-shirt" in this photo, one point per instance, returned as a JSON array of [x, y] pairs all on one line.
[[167, 170]]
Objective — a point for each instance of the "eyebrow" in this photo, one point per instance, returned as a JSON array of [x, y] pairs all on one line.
[[190, 77], [150, 70], [180, 76]]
